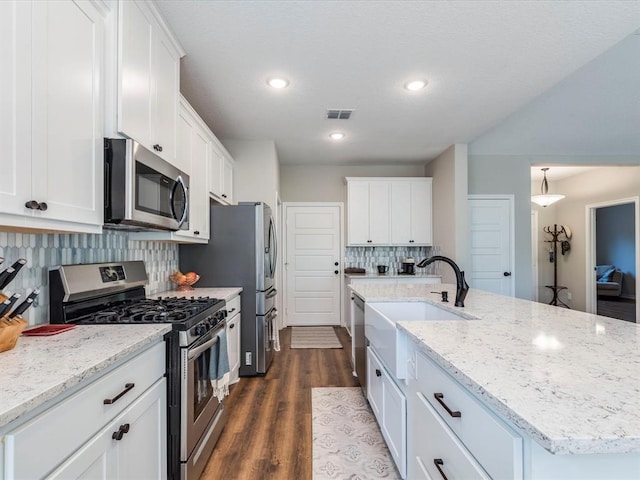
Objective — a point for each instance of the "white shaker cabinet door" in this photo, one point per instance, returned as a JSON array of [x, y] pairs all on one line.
[[358, 213], [421, 212], [198, 194], [401, 213], [227, 179], [135, 86], [15, 106], [379, 203], [167, 88], [67, 122]]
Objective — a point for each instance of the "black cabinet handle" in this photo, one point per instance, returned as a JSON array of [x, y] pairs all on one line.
[[127, 387], [157, 148], [224, 195], [336, 272], [32, 205], [439, 464], [336, 264], [378, 373], [369, 241], [507, 274], [197, 232], [440, 398], [233, 325], [232, 310], [121, 431], [43, 206]]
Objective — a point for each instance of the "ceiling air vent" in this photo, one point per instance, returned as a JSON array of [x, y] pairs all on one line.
[[339, 114]]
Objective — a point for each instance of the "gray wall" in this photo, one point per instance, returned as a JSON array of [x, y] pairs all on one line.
[[615, 242], [325, 183]]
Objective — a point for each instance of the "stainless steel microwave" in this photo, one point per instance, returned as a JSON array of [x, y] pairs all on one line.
[[142, 191]]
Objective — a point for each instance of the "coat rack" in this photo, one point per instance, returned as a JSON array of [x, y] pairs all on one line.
[[555, 240]]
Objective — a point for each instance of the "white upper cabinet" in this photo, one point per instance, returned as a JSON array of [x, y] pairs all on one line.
[[148, 78], [221, 173], [51, 115], [389, 211], [368, 204], [411, 212]]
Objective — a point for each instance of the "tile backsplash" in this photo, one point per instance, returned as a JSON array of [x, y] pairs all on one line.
[[46, 250], [370, 257]]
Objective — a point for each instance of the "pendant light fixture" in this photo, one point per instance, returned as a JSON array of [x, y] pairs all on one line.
[[545, 199]]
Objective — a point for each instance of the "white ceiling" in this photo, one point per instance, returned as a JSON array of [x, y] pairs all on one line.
[[556, 172], [484, 60]]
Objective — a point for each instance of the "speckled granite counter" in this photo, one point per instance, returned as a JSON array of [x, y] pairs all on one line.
[[570, 380], [40, 368], [216, 292]]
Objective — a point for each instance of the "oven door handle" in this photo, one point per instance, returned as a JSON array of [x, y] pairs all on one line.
[[205, 346]]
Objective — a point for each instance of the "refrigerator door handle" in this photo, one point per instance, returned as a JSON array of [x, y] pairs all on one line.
[[273, 247], [272, 293]]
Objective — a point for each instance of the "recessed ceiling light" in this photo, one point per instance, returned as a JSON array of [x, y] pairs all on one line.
[[277, 82], [415, 85], [337, 136]]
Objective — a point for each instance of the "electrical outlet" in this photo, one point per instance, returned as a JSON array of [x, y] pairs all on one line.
[[569, 295], [247, 358]]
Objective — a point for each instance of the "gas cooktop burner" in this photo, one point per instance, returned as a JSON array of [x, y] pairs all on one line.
[[160, 310]]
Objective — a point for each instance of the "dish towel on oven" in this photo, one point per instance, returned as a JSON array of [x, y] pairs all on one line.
[[219, 367]]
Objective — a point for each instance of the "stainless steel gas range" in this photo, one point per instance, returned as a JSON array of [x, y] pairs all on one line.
[[113, 293]]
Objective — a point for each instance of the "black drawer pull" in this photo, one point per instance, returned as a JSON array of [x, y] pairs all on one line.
[[157, 148], [233, 325], [439, 397], [378, 373], [127, 387], [196, 232], [439, 464], [121, 431], [232, 310]]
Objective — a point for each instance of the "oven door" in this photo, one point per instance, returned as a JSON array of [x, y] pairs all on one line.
[[199, 405]]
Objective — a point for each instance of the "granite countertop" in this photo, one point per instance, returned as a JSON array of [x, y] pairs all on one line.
[[570, 380], [389, 275], [38, 369], [225, 293]]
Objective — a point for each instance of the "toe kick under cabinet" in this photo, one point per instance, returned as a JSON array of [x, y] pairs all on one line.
[[114, 427]]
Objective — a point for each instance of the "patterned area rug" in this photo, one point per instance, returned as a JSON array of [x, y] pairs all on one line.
[[347, 443], [314, 337]]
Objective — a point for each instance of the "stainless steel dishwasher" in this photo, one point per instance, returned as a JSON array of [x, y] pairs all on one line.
[[359, 341]]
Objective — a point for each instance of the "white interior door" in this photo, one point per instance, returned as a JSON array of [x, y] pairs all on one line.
[[312, 263], [490, 223]]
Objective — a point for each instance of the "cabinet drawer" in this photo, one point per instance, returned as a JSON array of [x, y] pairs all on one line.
[[69, 424], [493, 444], [233, 306], [438, 444]]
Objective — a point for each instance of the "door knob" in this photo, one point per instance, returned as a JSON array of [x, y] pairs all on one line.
[[507, 274]]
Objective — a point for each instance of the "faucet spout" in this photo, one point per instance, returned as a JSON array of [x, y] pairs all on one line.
[[461, 284]]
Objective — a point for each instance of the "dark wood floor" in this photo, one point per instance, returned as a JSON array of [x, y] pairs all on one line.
[[268, 434]]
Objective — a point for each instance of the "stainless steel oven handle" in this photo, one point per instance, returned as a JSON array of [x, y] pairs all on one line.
[[205, 346]]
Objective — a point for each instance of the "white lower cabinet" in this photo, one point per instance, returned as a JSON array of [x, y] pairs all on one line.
[[131, 446], [389, 405], [445, 423], [85, 435], [233, 337]]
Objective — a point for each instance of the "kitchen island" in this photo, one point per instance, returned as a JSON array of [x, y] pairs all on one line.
[[568, 382]]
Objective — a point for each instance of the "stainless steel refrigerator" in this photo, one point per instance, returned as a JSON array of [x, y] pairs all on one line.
[[242, 252]]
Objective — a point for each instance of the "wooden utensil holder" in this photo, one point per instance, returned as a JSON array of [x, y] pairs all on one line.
[[10, 330]]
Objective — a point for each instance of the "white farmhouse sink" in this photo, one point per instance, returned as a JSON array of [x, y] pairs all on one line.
[[380, 329]]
